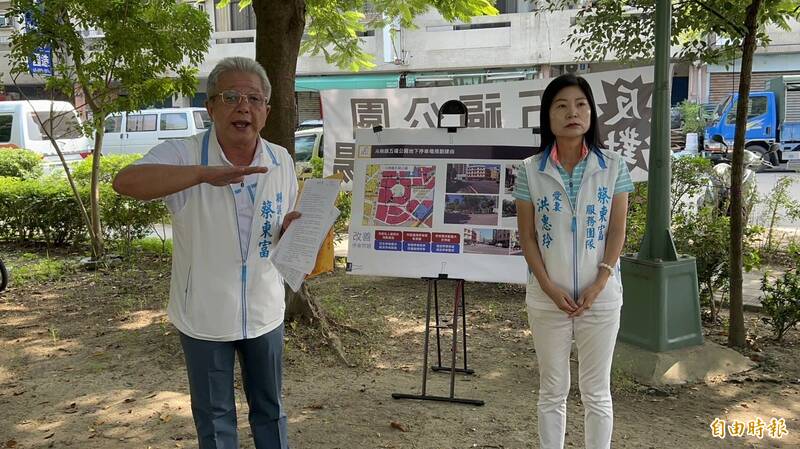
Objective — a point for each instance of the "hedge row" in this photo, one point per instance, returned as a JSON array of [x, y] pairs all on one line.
[[44, 208]]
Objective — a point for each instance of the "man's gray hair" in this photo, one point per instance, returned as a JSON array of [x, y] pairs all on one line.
[[238, 64]]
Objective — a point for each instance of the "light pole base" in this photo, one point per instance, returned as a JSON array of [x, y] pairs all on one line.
[[661, 305]]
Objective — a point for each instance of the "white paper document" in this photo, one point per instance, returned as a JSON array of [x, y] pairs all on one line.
[[295, 277], [296, 252], [291, 276]]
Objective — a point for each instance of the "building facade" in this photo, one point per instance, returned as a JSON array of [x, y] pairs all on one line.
[[516, 44]]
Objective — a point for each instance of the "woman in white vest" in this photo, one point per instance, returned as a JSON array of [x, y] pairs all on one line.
[[230, 194], [572, 199]]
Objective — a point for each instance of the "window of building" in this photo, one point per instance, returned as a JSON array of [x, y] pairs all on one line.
[[232, 19], [481, 26], [506, 6]]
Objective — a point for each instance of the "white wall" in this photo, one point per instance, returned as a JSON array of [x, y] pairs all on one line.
[[764, 62], [434, 45]]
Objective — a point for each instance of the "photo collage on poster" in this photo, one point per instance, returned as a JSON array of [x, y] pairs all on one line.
[[477, 214], [430, 203], [478, 197]]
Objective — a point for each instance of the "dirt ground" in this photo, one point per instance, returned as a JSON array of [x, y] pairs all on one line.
[[88, 360]]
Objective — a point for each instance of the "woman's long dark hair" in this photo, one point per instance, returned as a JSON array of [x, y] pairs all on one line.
[[592, 136]]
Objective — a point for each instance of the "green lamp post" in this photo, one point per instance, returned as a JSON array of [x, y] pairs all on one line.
[[661, 310]]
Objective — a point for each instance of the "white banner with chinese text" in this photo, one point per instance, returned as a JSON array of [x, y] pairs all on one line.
[[623, 99]]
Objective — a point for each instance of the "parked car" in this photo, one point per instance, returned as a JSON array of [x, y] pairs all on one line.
[[138, 132], [25, 124], [308, 124], [308, 143]]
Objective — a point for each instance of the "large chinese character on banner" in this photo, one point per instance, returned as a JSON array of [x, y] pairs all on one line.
[[623, 101], [625, 120], [422, 111], [370, 112]]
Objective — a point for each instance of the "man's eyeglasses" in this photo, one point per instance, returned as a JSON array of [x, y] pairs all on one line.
[[233, 97]]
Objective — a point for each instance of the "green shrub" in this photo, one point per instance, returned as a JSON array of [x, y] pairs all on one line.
[[109, 167], [45, 210], [693, 118], [781, 300], [128, 219], [689, 177], [779, 205], [704, 234], [20, 163], [343, 203], [41, 210], [153, 245], [637, 218], [317, 165]]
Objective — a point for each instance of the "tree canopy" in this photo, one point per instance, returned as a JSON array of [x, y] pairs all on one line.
[[702, 30], [333, 26], [119, 55]]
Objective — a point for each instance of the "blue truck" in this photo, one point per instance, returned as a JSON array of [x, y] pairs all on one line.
[[773, 117]]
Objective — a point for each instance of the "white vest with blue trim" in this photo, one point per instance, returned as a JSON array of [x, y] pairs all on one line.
[[220, 290], [572, 241]]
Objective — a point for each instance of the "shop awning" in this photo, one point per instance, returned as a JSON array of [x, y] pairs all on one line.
[[366, 81]]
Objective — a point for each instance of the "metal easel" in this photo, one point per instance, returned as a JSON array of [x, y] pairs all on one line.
[[459, 308], [452, 115]]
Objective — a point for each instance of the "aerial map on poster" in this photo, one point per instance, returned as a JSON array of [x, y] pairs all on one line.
[[428, 203], [399, 195]]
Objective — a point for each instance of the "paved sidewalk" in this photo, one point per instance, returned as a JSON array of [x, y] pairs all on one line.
[[751, 286], [751, 283]]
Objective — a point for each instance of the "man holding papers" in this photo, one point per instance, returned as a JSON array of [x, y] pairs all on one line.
[[296, 253], [231, 196]]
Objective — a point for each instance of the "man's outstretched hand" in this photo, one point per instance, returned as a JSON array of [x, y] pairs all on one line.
[[222, 176]]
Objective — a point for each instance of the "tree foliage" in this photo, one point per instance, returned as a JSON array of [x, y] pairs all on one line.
[[149, 50], [20, 163], [702, 30], [146, 51], [333, 26], [781, 299]]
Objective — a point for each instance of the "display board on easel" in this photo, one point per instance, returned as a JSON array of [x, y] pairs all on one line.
[[432, 203]]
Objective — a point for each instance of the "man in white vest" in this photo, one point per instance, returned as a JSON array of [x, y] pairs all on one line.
[[231, 195]]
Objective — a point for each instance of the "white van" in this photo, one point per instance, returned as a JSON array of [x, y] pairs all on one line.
[[138, 132], [25, 124]]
